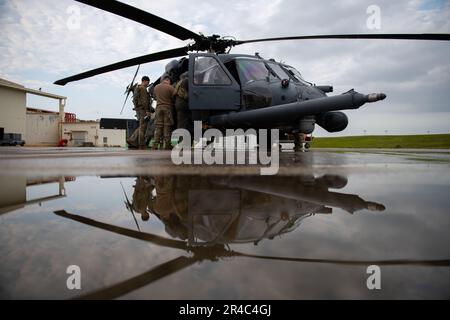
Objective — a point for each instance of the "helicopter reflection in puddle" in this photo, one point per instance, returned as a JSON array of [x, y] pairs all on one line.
[[204, 215], [205, 211]]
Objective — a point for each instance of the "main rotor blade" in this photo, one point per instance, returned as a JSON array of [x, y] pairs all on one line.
[[393, 36], [141, 280], [144, 17], [173, 53], [160, 241]]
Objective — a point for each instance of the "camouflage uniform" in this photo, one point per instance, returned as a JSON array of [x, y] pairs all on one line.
[[142, 197], [141, 101], [163, 117], [181, 96], [164, 201]]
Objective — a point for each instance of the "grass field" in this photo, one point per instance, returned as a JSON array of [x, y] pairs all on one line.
[[428, 141]]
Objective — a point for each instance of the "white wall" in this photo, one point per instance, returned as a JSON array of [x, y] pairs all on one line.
[[12, 192], [42, 129], [115, 138], [91, 129], [13, 111], [95, 135]]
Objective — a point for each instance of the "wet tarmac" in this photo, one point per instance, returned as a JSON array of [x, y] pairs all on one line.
[[139, 227]]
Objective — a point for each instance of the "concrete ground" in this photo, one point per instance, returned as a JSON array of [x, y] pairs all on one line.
[[102, 161]]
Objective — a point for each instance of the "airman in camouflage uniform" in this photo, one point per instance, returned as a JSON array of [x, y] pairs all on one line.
[[181, 96], [141, 101], [163, 118]]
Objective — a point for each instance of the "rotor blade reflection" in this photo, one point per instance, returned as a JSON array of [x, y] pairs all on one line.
[[396, 262], [130, 207], [161, 241], [124, 287]]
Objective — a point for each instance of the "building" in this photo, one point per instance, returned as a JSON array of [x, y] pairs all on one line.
[[13, 110], [40, 127], [89, 134], [14, 193], [43, 126]]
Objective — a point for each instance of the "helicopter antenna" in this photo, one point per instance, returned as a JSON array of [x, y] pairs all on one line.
[[257, 55]]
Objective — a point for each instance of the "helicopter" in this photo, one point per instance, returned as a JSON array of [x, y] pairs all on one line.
[[241, 91]]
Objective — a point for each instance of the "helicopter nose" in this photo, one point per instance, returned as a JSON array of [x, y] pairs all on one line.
[[374, 97]]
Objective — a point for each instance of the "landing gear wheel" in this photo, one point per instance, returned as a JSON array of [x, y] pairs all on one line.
[[299, 141]]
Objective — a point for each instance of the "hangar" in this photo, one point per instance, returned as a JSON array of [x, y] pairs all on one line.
[[13, 109], [40, 127]]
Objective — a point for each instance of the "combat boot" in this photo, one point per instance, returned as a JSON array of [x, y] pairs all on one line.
[[131, 145], [168, 145]]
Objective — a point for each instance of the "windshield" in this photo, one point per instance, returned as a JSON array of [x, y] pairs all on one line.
[[253, 70], [279, 71], [207, 71], [297, 75]]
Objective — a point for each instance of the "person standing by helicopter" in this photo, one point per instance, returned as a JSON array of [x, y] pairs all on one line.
[[181, 97], [164, 93], [141, 101]]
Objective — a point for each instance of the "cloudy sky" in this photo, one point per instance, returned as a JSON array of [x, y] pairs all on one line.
[[41, 41]]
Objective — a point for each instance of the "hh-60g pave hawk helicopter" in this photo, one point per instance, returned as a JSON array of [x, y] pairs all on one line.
[[229, 91]]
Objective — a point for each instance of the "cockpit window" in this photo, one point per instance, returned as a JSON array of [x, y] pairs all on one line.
[[297, 75], [279, 71], [207, 71], [253, 70]]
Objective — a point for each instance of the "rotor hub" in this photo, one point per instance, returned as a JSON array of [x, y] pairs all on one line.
[[213, 43]]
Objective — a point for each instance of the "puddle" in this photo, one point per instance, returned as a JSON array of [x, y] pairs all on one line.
[[226, 237]]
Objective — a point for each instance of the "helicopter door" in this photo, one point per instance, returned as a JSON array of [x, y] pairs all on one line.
[[211, 85]]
